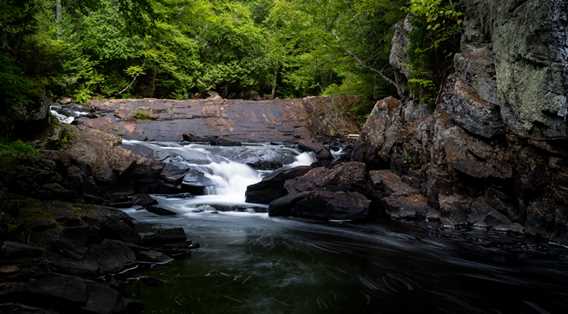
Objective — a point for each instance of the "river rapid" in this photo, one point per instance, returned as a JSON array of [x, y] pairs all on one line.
[[251, 263]]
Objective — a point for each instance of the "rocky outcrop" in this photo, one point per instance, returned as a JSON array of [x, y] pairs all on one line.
[[229, 120], [337, 193], [272, 186], [59, 256], [492, 153]]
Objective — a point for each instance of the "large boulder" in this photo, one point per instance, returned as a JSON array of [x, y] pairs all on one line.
[[339, 193], [322, 205], [348, 176], [272, 186]]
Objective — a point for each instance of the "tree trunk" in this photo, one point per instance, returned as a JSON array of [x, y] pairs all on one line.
[[58, 16], [275, 83], [153, 85]]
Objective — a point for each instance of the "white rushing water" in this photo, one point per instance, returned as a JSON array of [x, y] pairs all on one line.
[[66, 116], [225, 170]]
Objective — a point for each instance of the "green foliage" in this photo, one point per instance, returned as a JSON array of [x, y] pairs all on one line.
[[180, 48], [13, 150], [436, 30]]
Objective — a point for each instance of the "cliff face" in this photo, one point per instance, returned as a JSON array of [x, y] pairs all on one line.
[[495, 150]]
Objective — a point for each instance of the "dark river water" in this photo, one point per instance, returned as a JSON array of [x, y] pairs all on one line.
[[254, 264], [250, 263]]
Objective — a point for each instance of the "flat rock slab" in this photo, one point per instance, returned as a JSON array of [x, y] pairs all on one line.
[[236, 120]]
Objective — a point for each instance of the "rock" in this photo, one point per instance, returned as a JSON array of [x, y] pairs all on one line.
[[23, 309], [530, 64], [174, 172], [472, 156], [211, 140], [474, 114], [162, 236], [58, 292], [329, 117], [321, 152], [414, 206], [272, 186], [400, 200], [111, 256], [347, 177], [55, 191], [13, 250], [322, 205], [266, 164], [195, 182], [390, 183], [399, 48], [233, 121], [103, 299], [153, 257], [143, 200], [161, 211]]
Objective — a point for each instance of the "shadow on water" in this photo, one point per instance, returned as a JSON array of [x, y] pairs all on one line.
[[249, 263]]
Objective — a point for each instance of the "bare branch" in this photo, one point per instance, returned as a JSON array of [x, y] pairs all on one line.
[[399, 89]]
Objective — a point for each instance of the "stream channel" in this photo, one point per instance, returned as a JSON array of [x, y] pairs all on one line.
[[252, 263]]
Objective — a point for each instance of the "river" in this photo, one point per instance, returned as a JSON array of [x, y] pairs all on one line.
[[251, 263]]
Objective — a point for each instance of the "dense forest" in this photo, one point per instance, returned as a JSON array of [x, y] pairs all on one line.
[[241, 49]]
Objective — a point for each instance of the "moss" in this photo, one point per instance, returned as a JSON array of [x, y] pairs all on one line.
[[144, 114]]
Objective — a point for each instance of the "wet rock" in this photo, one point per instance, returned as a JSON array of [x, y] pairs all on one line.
[[321, 152], [322, 205], [23, 309], [13, 250], [174, 172], [161, 211], [111, 256], [211, 140], [152, 257], [272, 187], [57, 292], [143, 200], [195, 182], [266, 164], [102, 299], [161, 236]]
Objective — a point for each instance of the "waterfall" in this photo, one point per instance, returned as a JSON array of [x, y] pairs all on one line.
[[225, 172]]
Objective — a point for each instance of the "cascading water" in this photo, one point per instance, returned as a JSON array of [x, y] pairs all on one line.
[[224, 172]]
